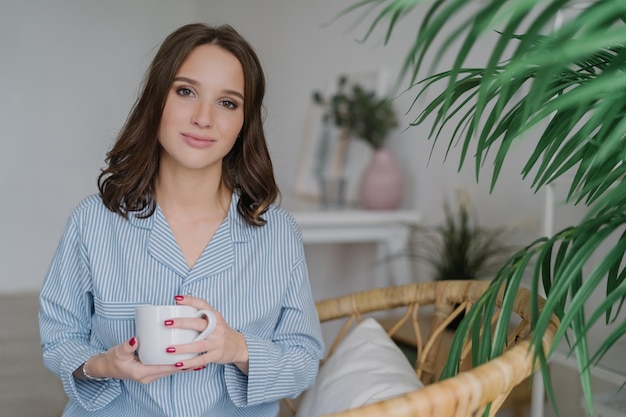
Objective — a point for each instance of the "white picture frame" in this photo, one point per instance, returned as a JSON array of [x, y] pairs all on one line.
[[315, 139]]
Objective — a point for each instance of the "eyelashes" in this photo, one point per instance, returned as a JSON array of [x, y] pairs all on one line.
[[228, 104], [188, 92], [185, 92]]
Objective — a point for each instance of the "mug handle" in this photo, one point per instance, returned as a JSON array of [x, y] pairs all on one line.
[[212, 322]]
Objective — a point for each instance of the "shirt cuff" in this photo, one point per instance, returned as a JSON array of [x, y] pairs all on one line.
[[91, 395], [248, 390]]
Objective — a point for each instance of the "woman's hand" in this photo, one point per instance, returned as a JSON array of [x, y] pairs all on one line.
[[224, 345], [121, 362]]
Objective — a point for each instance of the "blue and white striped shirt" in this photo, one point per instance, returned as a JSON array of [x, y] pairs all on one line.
[[256, 277]]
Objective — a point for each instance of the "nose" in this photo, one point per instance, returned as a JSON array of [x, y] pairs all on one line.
[[201, 116]]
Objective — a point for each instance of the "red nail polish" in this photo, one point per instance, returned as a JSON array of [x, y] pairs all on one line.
[[170, 349], [178, 364], [179, 298], [168, 322], [132, 341], [199, 369]]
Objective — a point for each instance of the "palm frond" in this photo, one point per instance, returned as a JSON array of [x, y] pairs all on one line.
[[566, 82]]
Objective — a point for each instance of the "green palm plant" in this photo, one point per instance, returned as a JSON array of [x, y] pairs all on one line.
[[566, 81]]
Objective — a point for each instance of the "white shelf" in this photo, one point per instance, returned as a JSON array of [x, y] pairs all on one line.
[[390, 230]]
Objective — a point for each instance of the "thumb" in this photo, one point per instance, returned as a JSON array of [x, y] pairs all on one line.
[[131, 345]]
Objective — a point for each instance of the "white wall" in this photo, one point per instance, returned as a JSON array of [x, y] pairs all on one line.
[[70, 70]]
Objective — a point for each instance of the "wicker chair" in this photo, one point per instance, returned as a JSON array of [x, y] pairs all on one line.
[[469, 392]]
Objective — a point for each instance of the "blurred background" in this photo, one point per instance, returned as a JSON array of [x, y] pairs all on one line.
[[70, 71]]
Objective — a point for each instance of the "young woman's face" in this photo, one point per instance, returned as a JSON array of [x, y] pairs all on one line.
[[203, 111]]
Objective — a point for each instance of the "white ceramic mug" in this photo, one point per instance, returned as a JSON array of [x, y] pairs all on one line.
[[154, 337]]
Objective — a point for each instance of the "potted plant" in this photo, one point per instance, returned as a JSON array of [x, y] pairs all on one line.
[[564, 77], [360, 114], [460, 248]]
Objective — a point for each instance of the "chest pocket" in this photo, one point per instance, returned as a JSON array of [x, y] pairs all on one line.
[[115, 310], [113, 322]]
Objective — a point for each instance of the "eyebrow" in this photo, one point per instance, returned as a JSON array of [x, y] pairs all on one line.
[[195, 83]]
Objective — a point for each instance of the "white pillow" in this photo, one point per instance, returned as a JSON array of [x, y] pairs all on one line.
[[366, 367]]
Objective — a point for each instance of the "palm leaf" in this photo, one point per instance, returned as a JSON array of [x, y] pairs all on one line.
[[568, 82]]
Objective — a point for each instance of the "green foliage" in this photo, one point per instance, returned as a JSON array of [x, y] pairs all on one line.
[[359, 112], [566, 81], [462, 249]]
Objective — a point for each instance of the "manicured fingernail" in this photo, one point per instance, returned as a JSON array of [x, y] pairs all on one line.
[[132, 341], [170, 349], [178, 364], [199, 369], [168, 322], [179, 298]]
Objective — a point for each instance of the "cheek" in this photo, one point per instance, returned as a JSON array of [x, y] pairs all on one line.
[[167, 116], [162, 130], [171, 117], [164, 123], [234, 127]]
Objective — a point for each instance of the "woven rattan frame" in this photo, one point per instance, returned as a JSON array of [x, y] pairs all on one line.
[[469, 392]]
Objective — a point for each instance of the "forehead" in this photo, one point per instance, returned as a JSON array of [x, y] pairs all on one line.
[[211, 59]]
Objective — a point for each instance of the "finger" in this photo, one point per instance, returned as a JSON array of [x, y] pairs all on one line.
[[126, 351], [192, 364], [195, 302], [131, 345], [193, 323], [194, 347], [149, 373]]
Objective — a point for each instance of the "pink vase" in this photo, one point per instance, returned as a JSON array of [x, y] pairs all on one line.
[[382, 182]]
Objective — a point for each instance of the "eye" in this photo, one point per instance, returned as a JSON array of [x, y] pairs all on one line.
[[228, 104], [185, 92]]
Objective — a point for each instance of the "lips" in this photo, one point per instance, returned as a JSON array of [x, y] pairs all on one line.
[[198, 141]]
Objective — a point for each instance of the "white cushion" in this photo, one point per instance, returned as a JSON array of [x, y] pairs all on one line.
[[366, 367]]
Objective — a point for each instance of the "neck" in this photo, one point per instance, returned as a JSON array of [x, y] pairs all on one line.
[[192, 193]]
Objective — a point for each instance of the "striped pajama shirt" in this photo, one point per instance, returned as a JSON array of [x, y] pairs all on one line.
[[256, 277]]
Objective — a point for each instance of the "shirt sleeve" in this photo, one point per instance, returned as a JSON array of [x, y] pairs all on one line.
[[288, 364], [66, 307]]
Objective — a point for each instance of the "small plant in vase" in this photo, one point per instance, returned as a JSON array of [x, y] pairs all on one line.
[[360, 114]]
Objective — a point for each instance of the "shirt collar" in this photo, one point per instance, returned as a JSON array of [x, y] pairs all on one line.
[[240, 230]]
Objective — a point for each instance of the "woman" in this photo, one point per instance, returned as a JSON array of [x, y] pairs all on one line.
[[185, 215]]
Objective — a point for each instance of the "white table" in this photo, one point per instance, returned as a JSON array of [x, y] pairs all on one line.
[[390, 230]]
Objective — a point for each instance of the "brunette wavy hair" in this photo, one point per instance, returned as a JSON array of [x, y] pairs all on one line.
[[128, 183]]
